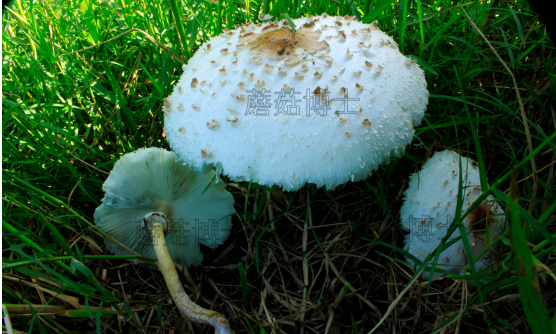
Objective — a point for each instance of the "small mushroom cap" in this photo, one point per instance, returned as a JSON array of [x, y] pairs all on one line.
[[152, 180], [430, 206], [277, 142]]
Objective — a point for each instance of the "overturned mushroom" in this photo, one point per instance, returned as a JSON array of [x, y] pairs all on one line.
[[430, 206], [289, 123], [157, 207]]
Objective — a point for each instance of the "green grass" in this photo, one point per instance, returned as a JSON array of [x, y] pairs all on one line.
[[83, 83]]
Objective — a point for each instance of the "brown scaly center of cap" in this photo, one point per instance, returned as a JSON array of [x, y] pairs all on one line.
[[479, 220], [278, 43]]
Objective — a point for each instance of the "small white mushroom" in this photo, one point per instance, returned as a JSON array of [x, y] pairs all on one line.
[[428, 202]]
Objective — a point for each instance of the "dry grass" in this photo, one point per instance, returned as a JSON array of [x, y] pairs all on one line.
[[304, 261]]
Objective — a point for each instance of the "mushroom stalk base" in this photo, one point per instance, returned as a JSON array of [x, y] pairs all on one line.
[[188, 309]]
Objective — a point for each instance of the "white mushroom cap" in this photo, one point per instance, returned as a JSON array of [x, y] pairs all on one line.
[[210, 121], [430, 206], [155, 180]]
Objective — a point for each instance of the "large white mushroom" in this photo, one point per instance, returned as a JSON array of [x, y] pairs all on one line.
[[160, 208], [325, 106], [430, 206]]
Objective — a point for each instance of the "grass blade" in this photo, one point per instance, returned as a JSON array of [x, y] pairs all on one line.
[[527, 280], [243, 281]]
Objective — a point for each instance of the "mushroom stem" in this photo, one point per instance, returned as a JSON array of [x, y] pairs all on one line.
[[165, 207], [188, 309]]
